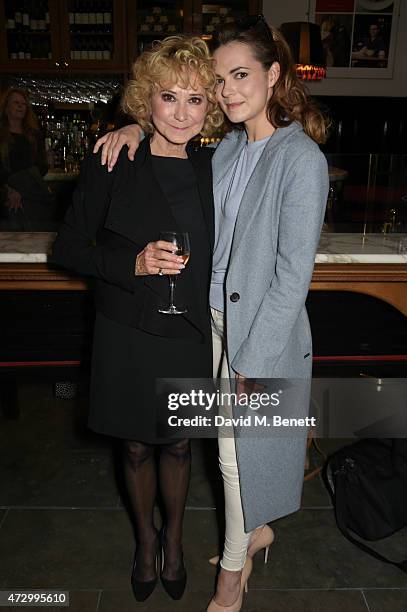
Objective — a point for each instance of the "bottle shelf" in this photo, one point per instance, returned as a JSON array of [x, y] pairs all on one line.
[[27, 33], [128, 26], [92, 34]]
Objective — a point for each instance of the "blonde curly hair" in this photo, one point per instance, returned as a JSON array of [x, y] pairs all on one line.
[[173, 60]]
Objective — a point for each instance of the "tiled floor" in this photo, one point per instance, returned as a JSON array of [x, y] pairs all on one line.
[[63, 526]]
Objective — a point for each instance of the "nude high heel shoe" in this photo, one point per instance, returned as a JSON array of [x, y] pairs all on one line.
[[262, 537], [236, 606]]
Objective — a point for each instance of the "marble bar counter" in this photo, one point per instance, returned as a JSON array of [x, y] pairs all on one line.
[[371, 264], [24, 247], [362, 248], [59, 176]]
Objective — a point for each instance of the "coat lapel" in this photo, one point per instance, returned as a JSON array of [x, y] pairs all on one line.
[[257, 185], [139, 198], [226, 154]]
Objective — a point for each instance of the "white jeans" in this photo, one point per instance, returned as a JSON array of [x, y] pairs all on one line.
[[236, 539]]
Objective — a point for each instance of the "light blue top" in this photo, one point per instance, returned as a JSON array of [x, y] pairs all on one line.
[[227, 198]]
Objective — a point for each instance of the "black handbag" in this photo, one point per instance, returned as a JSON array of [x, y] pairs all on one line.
[[367, 481]]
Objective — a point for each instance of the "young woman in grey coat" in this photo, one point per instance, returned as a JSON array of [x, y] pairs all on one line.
[[270, 192]]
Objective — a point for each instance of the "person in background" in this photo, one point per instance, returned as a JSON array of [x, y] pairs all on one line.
[[372, 46], [270, 191], [23, 163], [336, 42]]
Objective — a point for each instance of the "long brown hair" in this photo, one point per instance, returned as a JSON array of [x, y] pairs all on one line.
[[290, 100], [30, 122]]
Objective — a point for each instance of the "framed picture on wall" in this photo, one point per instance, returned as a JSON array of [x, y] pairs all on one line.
[[358, 36]]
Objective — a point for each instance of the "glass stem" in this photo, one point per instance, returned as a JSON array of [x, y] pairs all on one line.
[[172, 279]]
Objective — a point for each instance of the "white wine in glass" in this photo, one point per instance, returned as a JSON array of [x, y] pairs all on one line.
[[180, 240]]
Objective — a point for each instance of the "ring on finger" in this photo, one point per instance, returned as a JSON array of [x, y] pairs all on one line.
[[160, 272]]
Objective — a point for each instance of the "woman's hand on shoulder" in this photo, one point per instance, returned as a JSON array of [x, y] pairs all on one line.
[[158, 258], [113, 142]]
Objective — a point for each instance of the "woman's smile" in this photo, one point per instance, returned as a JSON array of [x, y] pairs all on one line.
[[233, 105]]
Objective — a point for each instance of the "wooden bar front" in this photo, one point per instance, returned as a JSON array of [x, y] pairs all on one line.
[[387, 282]]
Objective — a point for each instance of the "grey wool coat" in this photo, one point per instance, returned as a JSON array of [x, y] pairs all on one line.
[[267, 329]]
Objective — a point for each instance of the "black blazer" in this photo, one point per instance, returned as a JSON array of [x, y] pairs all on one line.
[[112, 217]]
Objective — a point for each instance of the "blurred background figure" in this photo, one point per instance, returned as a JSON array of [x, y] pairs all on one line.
[[336, 42], [371, 47], [24, 196]]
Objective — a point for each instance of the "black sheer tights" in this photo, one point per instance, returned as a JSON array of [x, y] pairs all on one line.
[[140, 474]]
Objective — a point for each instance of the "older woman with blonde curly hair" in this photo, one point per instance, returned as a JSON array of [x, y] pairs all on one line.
[[110, 233]]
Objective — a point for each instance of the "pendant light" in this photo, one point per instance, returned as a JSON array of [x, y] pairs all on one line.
[[304, 39]]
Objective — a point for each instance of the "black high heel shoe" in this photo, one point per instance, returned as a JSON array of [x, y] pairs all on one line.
[[142, 589], [174, 588]]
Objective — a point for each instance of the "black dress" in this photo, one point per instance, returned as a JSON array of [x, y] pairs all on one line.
[[126, 360], [22, 169]]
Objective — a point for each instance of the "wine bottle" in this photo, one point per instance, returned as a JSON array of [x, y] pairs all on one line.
[[78, 17], [10, 18], [32, 49], [92, 49], [78, 44], [99, 48], [41, 16], [71, 16], [13, 50], [20, 51], [84, 49], [44, 48], [34, 18], [76, 49], [27, 50], [26, 16], [92, 16], [37, 48], [99, 16], [107, 49], [85, 15], [47, 21], [49, 152], [18, 19], [107, 16]]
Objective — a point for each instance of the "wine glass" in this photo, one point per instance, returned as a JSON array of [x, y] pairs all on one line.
[[180, 240]]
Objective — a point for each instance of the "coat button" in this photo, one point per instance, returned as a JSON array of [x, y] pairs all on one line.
[[235, 297]]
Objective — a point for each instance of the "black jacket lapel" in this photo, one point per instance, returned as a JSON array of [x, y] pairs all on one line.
[[167, 220], [140, 196], [201, 160]]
